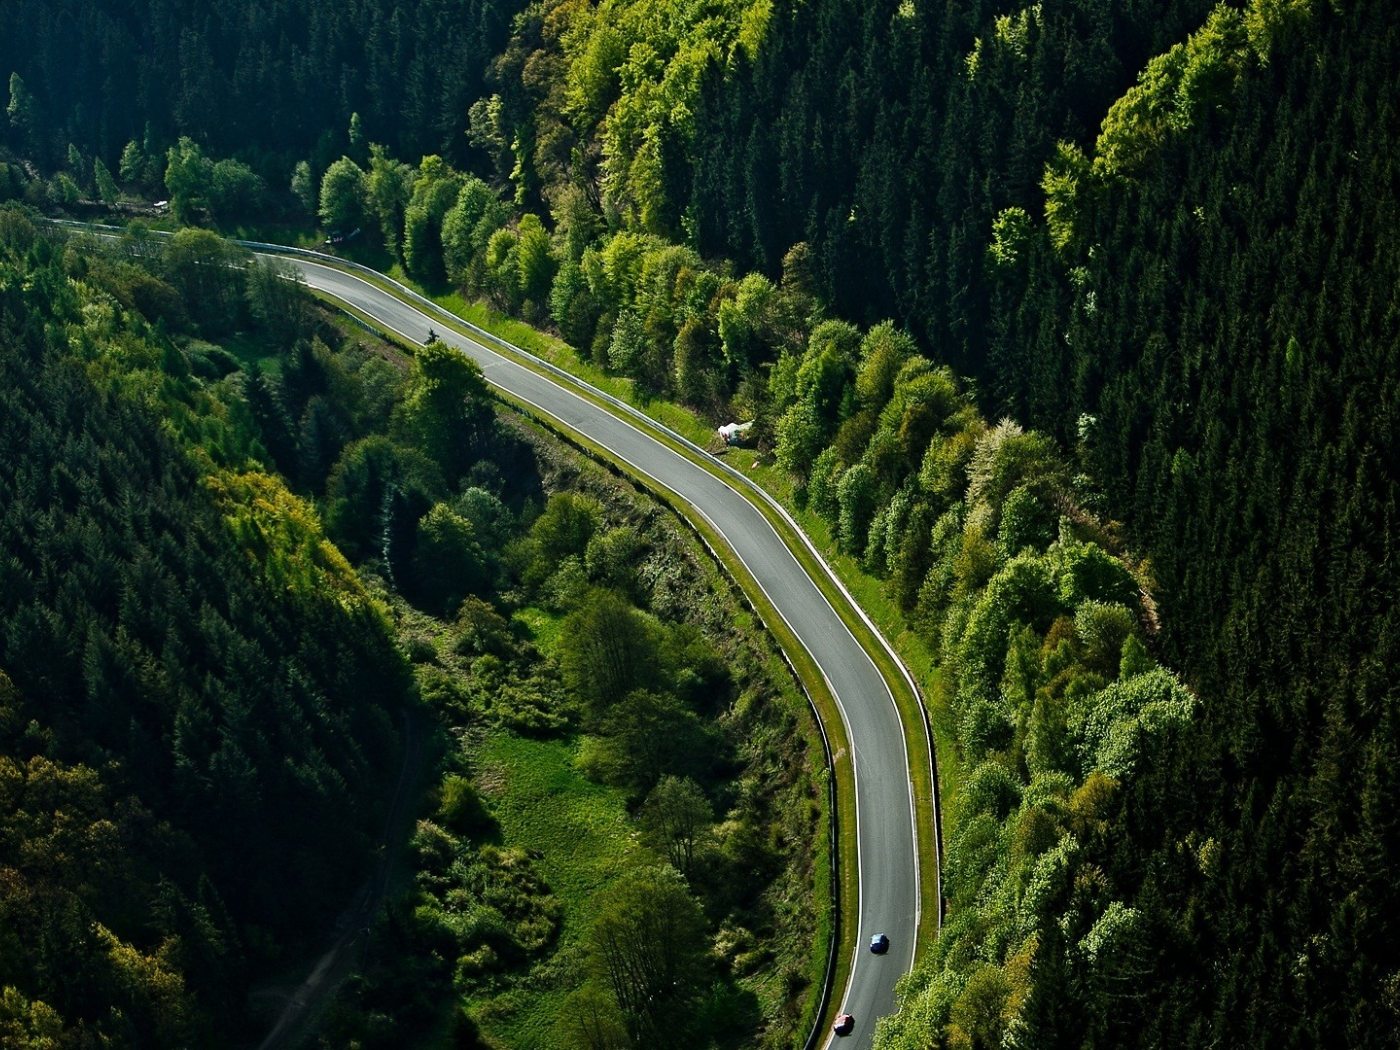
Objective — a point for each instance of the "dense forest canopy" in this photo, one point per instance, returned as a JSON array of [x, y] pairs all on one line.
[[270, 81], [201, 702], [1162, 235]]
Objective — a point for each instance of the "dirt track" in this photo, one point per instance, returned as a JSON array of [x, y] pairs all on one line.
[[304, 1003]]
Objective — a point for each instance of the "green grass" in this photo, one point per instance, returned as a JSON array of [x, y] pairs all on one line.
[[253, 349], [583, 838], [294, 234], [543, 627]]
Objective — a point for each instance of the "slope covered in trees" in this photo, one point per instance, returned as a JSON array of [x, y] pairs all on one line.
[[1231, 319], [275, 82], [1161, 234], [200, 700]]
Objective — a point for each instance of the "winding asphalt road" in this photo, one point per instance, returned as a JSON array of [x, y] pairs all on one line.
[[888, 859]]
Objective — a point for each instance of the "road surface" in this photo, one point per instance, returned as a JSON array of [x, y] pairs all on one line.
[[887, 855]]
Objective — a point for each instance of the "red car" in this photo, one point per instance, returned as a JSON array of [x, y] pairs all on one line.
[[845, 1025]]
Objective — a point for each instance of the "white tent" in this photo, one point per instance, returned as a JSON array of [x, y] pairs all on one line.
[[733, 433]]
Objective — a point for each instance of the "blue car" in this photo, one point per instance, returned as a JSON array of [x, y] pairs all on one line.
[[879, 944]]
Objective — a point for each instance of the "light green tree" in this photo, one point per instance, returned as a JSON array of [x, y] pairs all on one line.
[[446, 407], [675, 820], [23, 112], [189, 178], [106, 185], [303, 186], [858, 498], [647, 945], [536, 262], [467, 229], [388, 189], [343, 196], [136, 166], [435, 190]]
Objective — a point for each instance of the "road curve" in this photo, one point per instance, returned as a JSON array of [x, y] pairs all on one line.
[[887, 853]]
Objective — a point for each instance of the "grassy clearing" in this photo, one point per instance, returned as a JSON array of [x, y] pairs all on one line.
[[804, 674], [250, 350], [542, 626], [582, 837]]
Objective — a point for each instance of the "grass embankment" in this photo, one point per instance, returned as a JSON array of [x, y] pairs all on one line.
[[806, 675], [582, 836]]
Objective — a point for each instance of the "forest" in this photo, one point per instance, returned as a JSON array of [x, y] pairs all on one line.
[[238, 572], [1159, 237]]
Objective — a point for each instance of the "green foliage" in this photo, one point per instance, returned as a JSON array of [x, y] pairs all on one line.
[[448, 563], [1007, 458], [856, 498], [435, 189], [647, 948], [1174, 93], [1222, 324], [261, 82], [208, 274], [138, 168], [1126, 719], [303, 186], [1105, 631], [227, 680], [344, 196], [446, 409], [823, 484], [467, 229], [23, 112], [1066, 181], [1025, 522], [635, 72], [611, 560], [821, 395], [676, 821], [743, 320], [642, 738], [1086, 572], [106, 185], [189, 180], [235, 191], [883, 352], [278, 300], [1011, 232], [990, 790], [565, 528], [607, 650]]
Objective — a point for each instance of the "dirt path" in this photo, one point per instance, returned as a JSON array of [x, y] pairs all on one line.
[[304, 1003]]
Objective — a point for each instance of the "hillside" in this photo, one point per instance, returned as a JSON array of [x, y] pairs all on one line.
[[1160, 238]]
